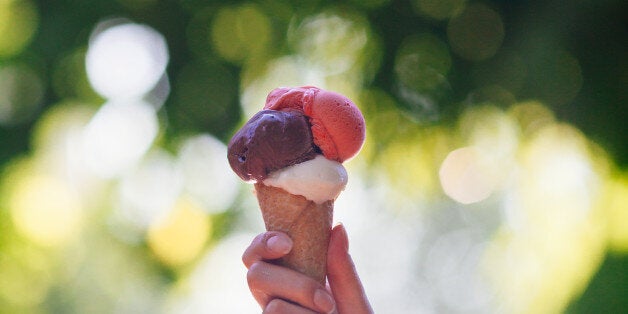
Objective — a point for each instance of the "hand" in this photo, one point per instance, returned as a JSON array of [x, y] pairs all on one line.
[[342, 276], [281, 290]]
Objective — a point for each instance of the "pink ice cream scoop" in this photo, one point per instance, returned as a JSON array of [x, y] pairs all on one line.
[[338, 127]]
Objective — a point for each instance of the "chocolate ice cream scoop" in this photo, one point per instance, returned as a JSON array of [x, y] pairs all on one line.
[[269, 141]]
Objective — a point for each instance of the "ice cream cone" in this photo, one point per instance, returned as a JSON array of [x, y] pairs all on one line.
[[307, 223]]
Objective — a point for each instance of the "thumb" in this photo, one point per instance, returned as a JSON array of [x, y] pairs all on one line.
[[343, 278]]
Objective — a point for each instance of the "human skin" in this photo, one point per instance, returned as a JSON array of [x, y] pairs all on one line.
[[282, 290]]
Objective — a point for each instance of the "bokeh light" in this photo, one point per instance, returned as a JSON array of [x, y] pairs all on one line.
[[477, 33], [561, 182], [284, 71], [331, 42], [118, 136], [531, 116], [149, 191], [452, 264], [124, 59], [493, 178], [207, 175], [69, 78], [555, 204], [210, 289], [333, 48], [410, 166], [466, 176], [44, 209], [57, 140], [179, 237], [496, 135], [26, 276], [426, 51], [241, 32], [379, 110], [21, 93], [421, 67], [618, 213], [18, 23]]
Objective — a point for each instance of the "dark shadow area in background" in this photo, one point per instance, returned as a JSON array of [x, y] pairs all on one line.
[[608, 290]]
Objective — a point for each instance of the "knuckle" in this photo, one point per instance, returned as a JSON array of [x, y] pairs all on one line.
[[255, 274], [272, 307], [276, 306], [308, 285], [250, 255], [260, 238]]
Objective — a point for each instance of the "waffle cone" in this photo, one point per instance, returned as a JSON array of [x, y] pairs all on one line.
[[307, 223]]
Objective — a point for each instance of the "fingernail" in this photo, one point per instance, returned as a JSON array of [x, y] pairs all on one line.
[[279, 244], [324, 301]]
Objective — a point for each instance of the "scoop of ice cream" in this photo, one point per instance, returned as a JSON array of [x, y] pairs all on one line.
[[283, 98], [338, 126], [318, 179], [270, 140]]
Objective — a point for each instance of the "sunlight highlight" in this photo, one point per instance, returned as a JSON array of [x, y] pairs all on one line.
[[26, 276], [241, 32], [466, 176], [45, 210], [180, 237], [18, 23], [617, 198], [282, 71], [531, 116], [496, 135], [553, 238], [409, 164], [208, 177], [331, 41], [58, 147], [147, 193], [559, 184], [125, 60], [118, 136], [213, 285]]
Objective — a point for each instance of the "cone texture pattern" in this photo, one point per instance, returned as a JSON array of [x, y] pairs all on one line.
[[308, 224]]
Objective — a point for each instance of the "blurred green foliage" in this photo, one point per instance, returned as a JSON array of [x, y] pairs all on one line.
[[529, 63], [419, 66]]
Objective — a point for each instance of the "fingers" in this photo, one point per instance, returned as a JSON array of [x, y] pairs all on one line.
[[269, 282], [343, 277], [279, 289], [278, 306], [267, 246]]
